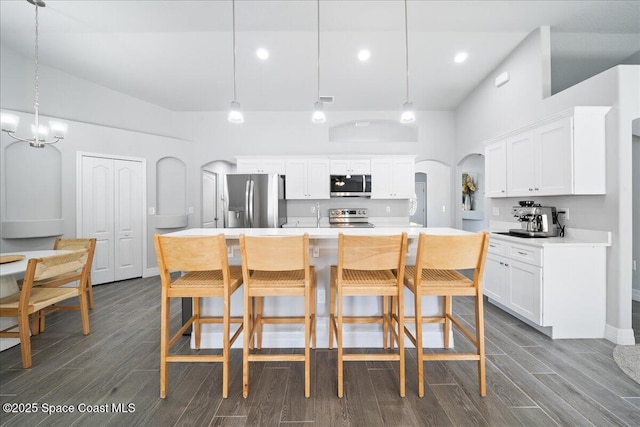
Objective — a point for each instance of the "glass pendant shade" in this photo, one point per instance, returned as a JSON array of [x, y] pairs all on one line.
[[58, 129], [318, 113], [235, 113], [9, 122], [408, 114], [41, 133]]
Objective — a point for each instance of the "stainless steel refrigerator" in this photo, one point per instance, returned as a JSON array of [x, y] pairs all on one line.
[[254, 201]]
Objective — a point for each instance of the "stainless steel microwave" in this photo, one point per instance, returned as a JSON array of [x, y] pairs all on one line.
[[350, 185]]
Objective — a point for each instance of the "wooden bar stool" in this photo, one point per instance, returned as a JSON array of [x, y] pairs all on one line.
[[206, 273], [438, 260], [276, 266], [366, 267]]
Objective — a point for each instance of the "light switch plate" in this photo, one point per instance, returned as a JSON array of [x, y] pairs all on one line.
[[495, 211]]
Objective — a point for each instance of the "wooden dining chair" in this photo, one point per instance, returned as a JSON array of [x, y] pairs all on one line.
[[38, 319], [205, 274], [369, 266], [439, 260], [277, 266], [69, 267], [73, 245]]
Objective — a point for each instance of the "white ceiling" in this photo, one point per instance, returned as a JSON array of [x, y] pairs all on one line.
[[178, 54]]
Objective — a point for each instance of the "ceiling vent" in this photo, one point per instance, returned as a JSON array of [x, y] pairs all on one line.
[[326, 99]]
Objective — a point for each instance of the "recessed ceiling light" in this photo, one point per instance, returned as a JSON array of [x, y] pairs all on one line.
[[364, 55], [460, 57], [262, 53]]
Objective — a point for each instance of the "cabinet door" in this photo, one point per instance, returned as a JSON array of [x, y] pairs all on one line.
[[339, 167], [494, 278], [296, 183], [403, 178], [272, 166], [525, 290], [381, 178], [554, 158], [248, 166], [360, 166], [520, 165], [392, 178], [318, 179], [495, 162]]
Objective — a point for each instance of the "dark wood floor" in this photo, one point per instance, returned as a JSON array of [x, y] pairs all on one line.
[[532, 380]]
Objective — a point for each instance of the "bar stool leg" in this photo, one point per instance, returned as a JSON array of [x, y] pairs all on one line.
[[339, 325], [447, 320], [247, 337], [385, 322], [419, 347]]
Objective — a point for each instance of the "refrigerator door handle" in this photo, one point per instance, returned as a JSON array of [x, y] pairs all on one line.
[[247, 192], [251, 187]]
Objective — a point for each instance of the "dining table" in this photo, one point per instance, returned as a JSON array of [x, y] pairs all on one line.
[[10, 271]]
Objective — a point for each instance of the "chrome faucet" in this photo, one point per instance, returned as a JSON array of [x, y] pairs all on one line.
[[318, 215]]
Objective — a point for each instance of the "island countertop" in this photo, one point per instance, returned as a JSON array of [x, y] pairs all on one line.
[[316, 233]]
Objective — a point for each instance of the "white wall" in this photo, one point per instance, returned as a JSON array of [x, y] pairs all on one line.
[[491, 111]]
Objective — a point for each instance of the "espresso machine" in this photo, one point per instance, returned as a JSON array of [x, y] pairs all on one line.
[[535, 220]]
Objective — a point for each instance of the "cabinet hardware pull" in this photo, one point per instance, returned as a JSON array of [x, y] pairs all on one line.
[[523, 253], [506, 265], [531, 189], [502, 263]]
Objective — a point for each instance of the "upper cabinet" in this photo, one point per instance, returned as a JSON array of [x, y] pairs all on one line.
[[562, 155], [351, 167], [261, 165], [307, 178], [495, 155], [393, 178]]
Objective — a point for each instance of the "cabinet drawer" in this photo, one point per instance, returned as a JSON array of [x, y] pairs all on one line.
[[525, 254], [496, 247]]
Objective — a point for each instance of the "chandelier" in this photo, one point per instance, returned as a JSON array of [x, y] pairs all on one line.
[[408, 114], [9, 122]]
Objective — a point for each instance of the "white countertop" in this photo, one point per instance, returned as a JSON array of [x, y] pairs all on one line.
[[315, 233], [573, 237]]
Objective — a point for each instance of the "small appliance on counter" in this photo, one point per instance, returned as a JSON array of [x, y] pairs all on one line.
[[535, 220], [349, 218]]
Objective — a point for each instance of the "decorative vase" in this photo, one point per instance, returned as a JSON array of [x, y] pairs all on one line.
[[467, 202]]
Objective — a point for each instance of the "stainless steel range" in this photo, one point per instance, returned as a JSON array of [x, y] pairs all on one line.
[[349, 218]]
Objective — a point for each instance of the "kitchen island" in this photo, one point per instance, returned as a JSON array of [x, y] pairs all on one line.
[[323, 245]]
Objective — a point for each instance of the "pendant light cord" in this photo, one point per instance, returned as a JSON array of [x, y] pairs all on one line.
[[234, 49], [318, 16], [36, 79], [406, 42]]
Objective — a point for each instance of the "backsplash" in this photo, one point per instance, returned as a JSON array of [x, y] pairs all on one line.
[[377, 208]]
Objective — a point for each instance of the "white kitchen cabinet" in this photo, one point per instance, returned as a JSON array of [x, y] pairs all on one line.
[[496, 169], [393, 178], [261, 165], [561, 155], [350, 166], [307, 178], [560, 289]]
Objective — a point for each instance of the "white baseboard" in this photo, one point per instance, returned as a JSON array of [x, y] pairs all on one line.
[[619, 336], [635, 295], [151, 272]]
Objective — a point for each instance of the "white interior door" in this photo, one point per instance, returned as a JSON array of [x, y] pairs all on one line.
[[209, 199], [127, 219], [111, 211]]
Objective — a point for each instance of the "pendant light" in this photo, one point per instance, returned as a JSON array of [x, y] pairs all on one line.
[[9, 122], [408, 114], [318, 115], [235, 111]]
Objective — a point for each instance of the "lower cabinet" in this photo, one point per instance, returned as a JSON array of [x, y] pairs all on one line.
[[559, 289]]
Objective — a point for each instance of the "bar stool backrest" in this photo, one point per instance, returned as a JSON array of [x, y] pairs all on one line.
[[371, 252], [452, 252], [191, 253], [276, 253]]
